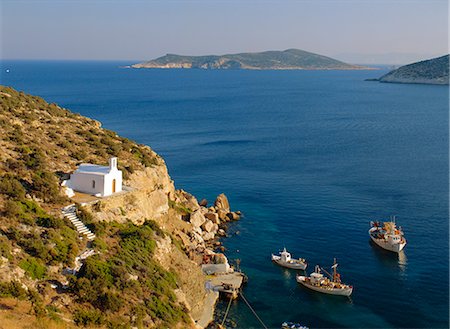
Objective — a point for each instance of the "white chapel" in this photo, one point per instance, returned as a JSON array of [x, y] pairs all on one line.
[[97, 180]]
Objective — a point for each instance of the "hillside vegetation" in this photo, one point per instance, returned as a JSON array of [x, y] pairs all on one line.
[[432, 71], [122, 285], [290, 59]]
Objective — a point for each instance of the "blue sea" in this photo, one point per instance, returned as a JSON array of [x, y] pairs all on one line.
[[309, 157]]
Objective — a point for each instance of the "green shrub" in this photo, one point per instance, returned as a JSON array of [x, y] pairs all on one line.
[[5, 247], [154, 227], [109, 301], [36, 302], [63, 143], [168, 311], [33, 267], [55, 110], [99, 245], [83, 289], [143, 156], [49, 221], [45, 186], [16, 136], [34, 245], [179, 207], [14, 165], [12, 289], [10, 186], [98, 272], [29, 211], [64, 248], [85, 216], [89, 317], [79, 154], [12, 208], [88, 219], [33, 158]]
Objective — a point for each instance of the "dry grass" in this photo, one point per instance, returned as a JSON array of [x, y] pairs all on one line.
[[17, 314]]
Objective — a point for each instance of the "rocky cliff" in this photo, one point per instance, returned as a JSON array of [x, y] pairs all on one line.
[[290, 59], [432, 71], [144, 268]]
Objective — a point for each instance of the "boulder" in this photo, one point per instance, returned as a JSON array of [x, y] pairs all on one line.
[[203, 203], [197, 218], [188, 200], [215, 228], [183, 237], [197, 229], [213, 217], [222, 213], [222, 202], [233, 216], [197, 239], [221, 232], [208, 236], [220, 259], [208, 226]]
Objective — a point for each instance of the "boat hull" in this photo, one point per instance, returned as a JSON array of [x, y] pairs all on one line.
[[294, 265], [382, 243], [330, 291]]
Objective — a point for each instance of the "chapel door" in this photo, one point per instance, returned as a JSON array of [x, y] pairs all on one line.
[[114, 186]]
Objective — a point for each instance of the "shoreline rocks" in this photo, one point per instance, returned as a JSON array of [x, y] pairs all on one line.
[[207, 221], [197, 225]]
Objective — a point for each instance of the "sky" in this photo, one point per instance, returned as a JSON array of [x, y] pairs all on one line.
[[363, 31]]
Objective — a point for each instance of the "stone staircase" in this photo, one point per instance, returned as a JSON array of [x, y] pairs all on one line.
[[70, 212]]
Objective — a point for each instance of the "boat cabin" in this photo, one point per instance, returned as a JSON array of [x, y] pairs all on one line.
[[285, 256], [316, 278]]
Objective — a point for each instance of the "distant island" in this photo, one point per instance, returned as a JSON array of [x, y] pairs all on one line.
[[290, 59], [432, 71]]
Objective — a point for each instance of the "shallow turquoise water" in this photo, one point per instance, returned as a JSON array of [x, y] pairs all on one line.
[[309, 158]]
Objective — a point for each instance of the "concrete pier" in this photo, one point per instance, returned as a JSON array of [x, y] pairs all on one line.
[[228, 284]]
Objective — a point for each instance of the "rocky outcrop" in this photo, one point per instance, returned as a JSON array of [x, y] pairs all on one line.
[[150, 194], [8, 272], [222, 203], [190, 279], [197, 219], [433, 71], [147, 197]]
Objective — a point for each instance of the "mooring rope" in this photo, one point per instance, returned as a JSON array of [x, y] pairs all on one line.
[[253, 311], [226, 312]]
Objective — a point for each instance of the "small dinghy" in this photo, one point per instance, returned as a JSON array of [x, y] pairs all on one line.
[[284, 259], [292, 325]]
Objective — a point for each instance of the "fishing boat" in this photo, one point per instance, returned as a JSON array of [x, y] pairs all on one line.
[[284, 259], [387, 235], [318, 282]]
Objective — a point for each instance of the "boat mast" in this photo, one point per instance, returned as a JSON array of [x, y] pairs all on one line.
[[334, 270], [326, 272]]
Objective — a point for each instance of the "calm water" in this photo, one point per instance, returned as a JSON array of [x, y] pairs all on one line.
[[309, 158]]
